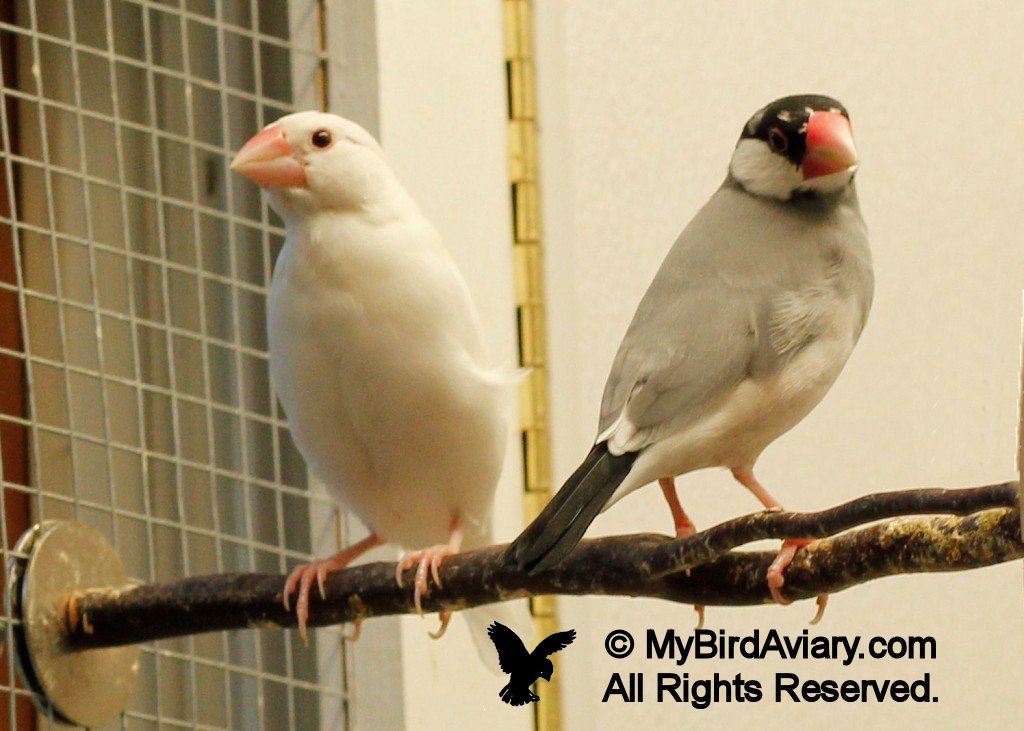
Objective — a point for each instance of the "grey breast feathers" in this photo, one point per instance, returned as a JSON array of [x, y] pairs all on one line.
[[711, 316]]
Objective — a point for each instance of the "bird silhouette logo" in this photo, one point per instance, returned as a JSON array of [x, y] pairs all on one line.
[[525, 667]]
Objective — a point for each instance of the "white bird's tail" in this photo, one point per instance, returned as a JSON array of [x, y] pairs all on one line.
[[514, 614]]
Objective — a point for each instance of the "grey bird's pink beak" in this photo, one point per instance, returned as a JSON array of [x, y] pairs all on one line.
[[830, 147], [268, 159]]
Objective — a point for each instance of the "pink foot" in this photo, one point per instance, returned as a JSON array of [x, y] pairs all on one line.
[[776, 575], [428, 563], [776, 579], [684, 527], [304, 575], [745, 476]]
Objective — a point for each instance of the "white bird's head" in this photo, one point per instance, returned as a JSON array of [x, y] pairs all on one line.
[[797, 145], [314, 161]]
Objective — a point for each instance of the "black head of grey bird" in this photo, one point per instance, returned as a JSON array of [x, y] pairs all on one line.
[[746, 325]]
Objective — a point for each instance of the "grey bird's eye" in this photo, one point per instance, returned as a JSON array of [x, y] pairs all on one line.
[[777, 141], [321, 139]]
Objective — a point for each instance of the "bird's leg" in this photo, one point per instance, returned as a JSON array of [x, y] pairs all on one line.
[[680, 520], [303, 576], [429, 563], [775, 575], [745, 476], [683, 525]]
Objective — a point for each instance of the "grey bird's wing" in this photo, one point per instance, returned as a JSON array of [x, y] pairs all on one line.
[[706, 321]]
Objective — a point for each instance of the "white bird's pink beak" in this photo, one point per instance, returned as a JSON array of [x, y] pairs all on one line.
[[269, 160], [830, 146]]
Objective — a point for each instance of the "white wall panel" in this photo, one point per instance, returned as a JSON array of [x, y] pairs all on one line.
[[640, 106]]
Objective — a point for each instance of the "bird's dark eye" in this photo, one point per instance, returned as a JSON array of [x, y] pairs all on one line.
[[777, 141], [321, 139]]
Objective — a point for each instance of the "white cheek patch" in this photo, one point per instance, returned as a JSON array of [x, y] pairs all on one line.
[[762, 172]]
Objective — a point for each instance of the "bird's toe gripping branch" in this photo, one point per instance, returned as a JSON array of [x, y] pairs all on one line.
[[302, 578], [776, 572], [428, 564], [777, 578], [911, 531]]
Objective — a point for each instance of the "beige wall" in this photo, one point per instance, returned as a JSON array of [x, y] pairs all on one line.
[[640, 104]]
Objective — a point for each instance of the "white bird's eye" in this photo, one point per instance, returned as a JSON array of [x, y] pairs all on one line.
[[321, 139]]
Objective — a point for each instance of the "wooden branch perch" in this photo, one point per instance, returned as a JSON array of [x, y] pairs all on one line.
[[982, 527]]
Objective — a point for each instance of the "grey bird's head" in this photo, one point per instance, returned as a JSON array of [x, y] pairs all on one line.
[[796, 146]]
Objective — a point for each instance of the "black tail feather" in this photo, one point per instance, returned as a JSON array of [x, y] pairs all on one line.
[[562, 523]]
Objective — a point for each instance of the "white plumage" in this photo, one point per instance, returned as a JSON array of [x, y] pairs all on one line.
[[377, 356], [376, 349]]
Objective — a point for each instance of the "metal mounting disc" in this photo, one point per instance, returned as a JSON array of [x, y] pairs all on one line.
[[83, 687]]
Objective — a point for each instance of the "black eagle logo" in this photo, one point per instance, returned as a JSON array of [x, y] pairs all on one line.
[[525, 667]]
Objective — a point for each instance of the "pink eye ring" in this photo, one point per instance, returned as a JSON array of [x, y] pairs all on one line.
[[777, 141]]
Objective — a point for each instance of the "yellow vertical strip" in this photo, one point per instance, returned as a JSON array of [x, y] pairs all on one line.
[[529, 289], [1020, 431], [323, 79]]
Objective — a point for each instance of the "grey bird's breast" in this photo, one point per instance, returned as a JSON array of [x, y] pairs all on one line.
[[749, 322]]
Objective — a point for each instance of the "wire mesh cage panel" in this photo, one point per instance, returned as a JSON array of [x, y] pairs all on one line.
[[134, 387]]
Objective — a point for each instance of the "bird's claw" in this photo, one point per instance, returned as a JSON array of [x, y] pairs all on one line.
[[302, 578], [435, 566], [445, 617], [822, 602], [699, 609], [357, 629], [428, 563]]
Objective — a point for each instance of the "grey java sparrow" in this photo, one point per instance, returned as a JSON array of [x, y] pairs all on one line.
[[747, 324]]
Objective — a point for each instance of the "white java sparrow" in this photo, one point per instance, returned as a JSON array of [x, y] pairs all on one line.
[[746, 325], [376, 351]]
